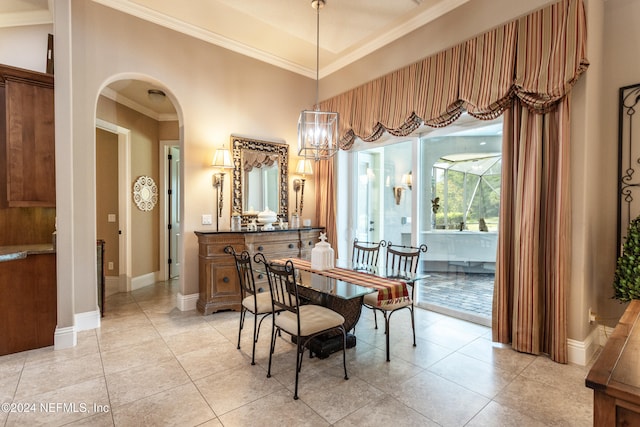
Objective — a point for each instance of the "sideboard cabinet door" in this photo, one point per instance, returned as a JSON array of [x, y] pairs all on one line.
[[218, 278]]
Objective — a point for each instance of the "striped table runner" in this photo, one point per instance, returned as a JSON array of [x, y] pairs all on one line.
[[390, 291]]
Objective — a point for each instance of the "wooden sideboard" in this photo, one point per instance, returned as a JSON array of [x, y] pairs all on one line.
[[615, 376], [218, 279]]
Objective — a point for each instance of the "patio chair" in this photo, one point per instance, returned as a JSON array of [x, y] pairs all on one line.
[[302, 322], [256, 302], [401, 262], [365, 254]]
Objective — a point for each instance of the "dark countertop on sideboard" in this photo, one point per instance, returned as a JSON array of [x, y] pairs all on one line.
[[10, 253], [275, 230]]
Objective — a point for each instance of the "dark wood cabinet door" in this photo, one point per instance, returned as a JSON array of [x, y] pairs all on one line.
[[28, 309], [30, 147]]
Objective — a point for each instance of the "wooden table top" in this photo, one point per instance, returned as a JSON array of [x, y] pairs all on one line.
[[617, 370]]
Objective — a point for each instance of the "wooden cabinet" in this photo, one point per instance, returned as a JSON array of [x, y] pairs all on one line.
[[218, 279], [615, 376], [27, 139], [28, 303]]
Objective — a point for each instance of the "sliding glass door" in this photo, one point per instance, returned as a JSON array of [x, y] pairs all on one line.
[[443, 190]]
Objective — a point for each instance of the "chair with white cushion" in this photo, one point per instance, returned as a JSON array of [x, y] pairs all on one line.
[[302, 322], [253, 300], [401, 263]]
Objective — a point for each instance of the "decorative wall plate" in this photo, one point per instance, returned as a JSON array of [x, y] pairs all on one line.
[[145, 193]]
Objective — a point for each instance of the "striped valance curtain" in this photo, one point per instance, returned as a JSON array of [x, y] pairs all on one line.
[[536, 58]]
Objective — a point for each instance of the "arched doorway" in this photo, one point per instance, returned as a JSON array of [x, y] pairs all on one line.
[[137, 187]]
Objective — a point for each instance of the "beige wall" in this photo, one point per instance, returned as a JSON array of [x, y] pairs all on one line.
[[218, 93], [169, 130], [25, 47], [620, 65], [215, 91]]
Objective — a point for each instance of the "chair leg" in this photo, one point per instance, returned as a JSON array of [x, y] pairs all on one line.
[[299, 357], [386, 331], [255, 338], [272, 347], [413, 326], [375, 319], [344, 352], [242, 313]]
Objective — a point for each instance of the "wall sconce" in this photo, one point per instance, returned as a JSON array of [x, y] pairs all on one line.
[[221, 161], [303, 168], [397, 194], [407, 182]]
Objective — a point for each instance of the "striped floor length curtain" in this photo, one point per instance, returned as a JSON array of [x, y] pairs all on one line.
[[532, 269]]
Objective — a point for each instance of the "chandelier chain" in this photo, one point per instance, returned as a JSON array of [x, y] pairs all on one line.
[[318, 6]]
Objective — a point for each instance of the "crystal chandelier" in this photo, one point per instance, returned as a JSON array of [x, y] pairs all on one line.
[[317, 130]]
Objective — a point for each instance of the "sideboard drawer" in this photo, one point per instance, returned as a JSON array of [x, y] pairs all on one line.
[[271, 249]]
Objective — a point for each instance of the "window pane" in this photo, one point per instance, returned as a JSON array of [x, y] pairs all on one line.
[[383, 199]]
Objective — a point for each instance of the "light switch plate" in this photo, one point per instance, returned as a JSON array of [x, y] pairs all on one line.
[[111, 217], [207, 219]]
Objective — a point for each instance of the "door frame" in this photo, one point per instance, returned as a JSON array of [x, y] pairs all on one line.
[[124, 201], [165, 146]]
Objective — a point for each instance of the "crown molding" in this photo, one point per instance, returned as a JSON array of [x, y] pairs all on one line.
[[21, 19]]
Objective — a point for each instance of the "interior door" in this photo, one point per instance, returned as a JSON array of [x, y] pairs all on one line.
[[175, 237], [368, 226]]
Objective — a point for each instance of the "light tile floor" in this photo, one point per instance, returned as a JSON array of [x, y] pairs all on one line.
[[150, 364]]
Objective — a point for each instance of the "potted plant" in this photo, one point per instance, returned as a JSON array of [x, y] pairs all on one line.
[[626, 283]]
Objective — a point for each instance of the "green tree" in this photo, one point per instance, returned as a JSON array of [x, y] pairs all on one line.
[[626, 283]]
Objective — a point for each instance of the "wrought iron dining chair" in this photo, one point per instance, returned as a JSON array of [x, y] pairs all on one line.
[[302, 322], [256, 302], [364, 255], [401, 262]]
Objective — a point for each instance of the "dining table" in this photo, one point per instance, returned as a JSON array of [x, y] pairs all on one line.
[[342, 289]]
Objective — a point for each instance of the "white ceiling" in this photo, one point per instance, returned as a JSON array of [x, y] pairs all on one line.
[[279, 32]]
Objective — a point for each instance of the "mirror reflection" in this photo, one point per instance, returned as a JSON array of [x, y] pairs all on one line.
[[259, 177], [259, 181]]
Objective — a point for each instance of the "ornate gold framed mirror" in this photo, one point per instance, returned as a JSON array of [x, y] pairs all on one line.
[[260, 177]]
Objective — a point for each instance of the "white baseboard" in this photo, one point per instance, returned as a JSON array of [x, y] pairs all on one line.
[[86, 321], [581, 352], [65, 338], [144, 280], [187, 302]]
